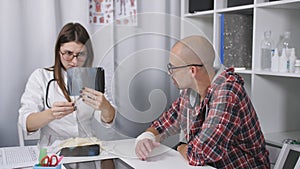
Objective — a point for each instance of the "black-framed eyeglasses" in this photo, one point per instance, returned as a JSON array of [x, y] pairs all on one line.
[[69, 55], [171, 67]]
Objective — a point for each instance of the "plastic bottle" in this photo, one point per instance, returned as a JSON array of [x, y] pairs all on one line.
[[275, 61], [266, 47], [297, 66], [283, 62], [292, 61], [285, 42]]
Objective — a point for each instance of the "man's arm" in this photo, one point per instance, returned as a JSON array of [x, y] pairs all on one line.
[[182, 149], [149, 140], [153, 130]]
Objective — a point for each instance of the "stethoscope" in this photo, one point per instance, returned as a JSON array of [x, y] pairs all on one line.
[[47, 92]]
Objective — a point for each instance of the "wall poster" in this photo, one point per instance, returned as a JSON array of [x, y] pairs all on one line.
[[101, 12], [126, 12], [122, 12]]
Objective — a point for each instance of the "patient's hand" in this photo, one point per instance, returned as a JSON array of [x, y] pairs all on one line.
[[144, 147]]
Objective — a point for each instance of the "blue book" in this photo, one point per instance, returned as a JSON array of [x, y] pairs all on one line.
[[222, 40]]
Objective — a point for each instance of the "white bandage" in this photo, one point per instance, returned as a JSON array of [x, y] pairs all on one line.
[[147, 134]]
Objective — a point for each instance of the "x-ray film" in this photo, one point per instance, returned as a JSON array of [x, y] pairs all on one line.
[[79, 77]]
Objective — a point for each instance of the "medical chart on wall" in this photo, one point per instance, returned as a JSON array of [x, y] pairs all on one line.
[[101, 12], [121, 12], [126, 12]]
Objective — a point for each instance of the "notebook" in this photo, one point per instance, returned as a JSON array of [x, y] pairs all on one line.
[[16, 157]]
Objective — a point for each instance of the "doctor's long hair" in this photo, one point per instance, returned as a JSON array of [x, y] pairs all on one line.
[[71, 32]]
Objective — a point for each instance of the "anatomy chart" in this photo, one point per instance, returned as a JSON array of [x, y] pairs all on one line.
[[101, 12], [125, 12], [121, 12]]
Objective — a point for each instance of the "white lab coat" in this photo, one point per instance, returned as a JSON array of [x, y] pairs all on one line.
[[76, 124]]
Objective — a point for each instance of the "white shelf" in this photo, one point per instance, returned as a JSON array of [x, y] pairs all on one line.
[[267, 73], [200, 14], [243, 71], [236, 8], [278, 138], [285, 4]]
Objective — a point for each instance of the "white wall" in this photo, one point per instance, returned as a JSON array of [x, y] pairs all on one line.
[[28, 33]]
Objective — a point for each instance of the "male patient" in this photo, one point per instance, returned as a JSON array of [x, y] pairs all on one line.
[[213, 110]]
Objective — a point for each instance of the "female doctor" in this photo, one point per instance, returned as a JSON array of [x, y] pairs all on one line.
[[46, 105]]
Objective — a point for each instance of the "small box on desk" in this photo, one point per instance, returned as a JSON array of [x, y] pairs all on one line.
[[200, 5], [37, 166]]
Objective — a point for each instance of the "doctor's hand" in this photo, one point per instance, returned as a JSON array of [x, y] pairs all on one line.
[[61, 109], [98, 101], [145, 143]]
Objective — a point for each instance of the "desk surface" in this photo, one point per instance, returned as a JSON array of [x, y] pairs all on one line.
[[160, 158]]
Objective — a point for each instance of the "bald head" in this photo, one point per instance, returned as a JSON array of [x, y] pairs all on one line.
[[194, 50]]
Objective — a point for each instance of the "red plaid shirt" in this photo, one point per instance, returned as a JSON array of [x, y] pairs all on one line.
[[223, 130]]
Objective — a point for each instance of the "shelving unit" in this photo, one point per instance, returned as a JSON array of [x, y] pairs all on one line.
[[276, 96]]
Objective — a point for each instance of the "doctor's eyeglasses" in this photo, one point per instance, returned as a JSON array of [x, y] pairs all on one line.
[[69, 55], [171, 67]]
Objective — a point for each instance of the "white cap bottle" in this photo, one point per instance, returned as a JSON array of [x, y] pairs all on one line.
[[275, 61], [292, 61], [297, 66], [283, 62]]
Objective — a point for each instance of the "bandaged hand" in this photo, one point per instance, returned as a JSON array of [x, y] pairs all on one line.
[[61, 109], [144, 144]]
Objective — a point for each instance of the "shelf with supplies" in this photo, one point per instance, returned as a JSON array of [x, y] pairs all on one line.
[[268, 73], [275, 95], [275, 142], [279, 138], [243, 71]]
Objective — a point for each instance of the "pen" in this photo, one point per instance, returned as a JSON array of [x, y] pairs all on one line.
[[60, 158]]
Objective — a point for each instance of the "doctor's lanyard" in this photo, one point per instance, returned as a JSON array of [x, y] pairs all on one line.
[[47, 92]]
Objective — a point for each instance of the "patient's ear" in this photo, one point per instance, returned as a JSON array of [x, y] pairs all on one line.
[[193, 70]]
